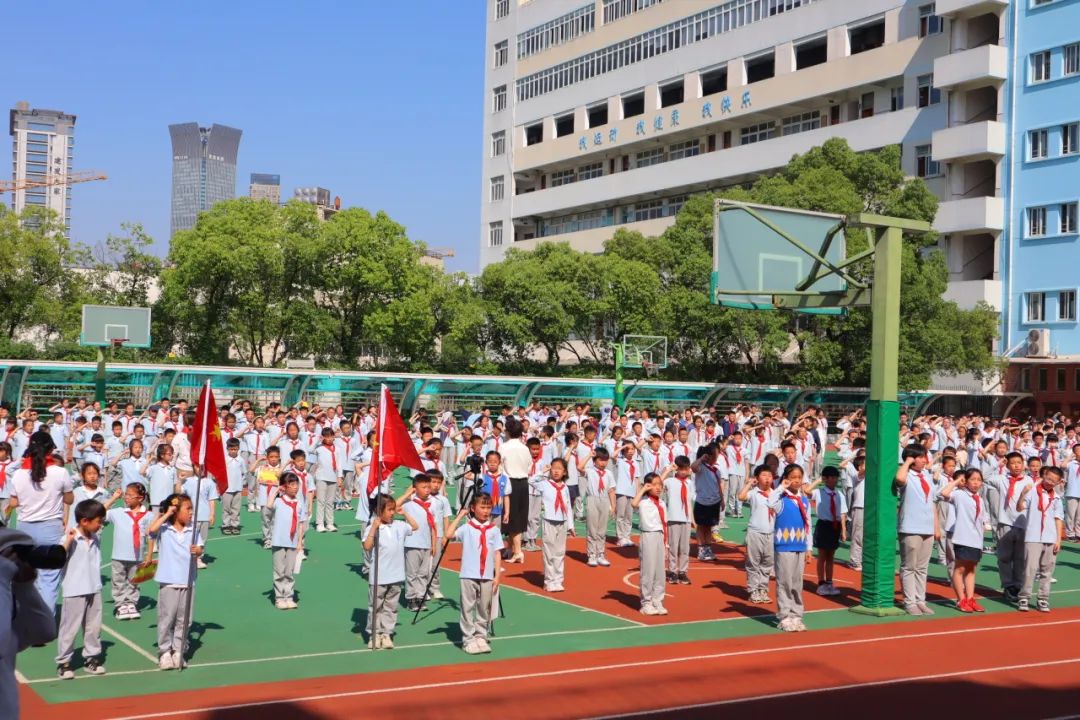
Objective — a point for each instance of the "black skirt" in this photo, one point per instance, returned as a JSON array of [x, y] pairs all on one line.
[[519, 506]]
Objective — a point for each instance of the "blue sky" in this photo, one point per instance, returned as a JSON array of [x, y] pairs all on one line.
[[381, 102]]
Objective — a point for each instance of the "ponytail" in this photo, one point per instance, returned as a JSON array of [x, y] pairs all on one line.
[[39, 449]]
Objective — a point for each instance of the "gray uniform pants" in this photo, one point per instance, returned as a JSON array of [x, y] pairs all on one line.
[[598, 512], [759, 559], [249, 478], [532, 532], [388, 598], [915, 553], [325, 492], [652, 569], [349, 482], [734, 485], [284, 565], [267, 514], [1040, 561], [857, 520], [1072, 517], [79, 612], [123, 591], [789, 582], [230, 510], [170, 624], [476, 598], [678, 551], [624, 518], [993, 503], [436, 582], [1010, 556], [554, 552], [941, 508], [417, 571]]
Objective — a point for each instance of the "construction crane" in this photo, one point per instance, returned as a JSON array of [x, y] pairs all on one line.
[[51, 180], [440, 252]]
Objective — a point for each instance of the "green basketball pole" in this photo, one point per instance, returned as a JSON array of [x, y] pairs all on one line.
[[99, 378], [620, 391]]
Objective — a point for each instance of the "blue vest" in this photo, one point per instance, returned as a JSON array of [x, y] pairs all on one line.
[[489, 485], [791, 532]]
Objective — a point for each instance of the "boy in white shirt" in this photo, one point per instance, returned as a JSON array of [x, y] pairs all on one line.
[[654, 530], [627, 477], [420, 545], [481, 565], [600, 495], [759, 534], [679, 494], [1042, 506], [236, 469], [558, 508], [81, 609]]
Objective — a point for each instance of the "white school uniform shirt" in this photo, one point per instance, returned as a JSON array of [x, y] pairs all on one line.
[[114, 448], [823, 496], [572, 472], [280, 530], [473, 536], [1043, 510], [161, 479], [421, 537], [858, 493], [736, 460], [677, 512], [59, 434], [492, 443], [593, 480], [93, 456], [19, 440], [325, 459], [651, 515], [440, 508], [80, 493], [128, 422], [255, 443], [82, 573], [549, 491], [668, 453], [538, 470], [123, 521], [969, 517], [235, 469], [1009, 513], [348, 448], [762, 517], [917, 505], [174, 554], [1072, 480], [7, 469], [627, 475], [288, 446], [130, 472], [207, 492], [428, 464], [391, 559], [653, 461]]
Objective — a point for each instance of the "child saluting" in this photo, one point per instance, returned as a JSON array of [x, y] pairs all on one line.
[[481, 563]]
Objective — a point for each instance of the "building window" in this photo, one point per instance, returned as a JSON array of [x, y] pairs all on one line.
[[615, 9], [598, 115], [671, 94], [498, 99], [929, 23], [648, 210], [1043, 377], [534, 134], [866, 37], [1036, 307], [590, 171], [1037, 149], [1070, 139], [678, 151], [928, 94], [1076, 380], [633, 105], [1067, 305], [498, 143], [925, 165], [801, 123], [562, 177], [714, 81], [564, 125], [1068, 218], [757, 133], [811, 53], [1036, 222], [1072, 59], [502, 9], [896, 97], [760, 68], [497, 188], [1061, 375], [1040, 66], [649, 157], [1025, 379], [561, 30], [495, 238], [502, 53]]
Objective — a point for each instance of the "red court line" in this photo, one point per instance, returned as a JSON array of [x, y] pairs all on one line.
[[975, 652]]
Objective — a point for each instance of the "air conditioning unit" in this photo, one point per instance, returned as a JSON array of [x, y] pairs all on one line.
[[1038, 343]]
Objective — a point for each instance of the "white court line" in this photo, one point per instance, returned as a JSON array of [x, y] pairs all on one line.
[[130, 644], [484, 679], [21, 678], [833, 688], [498, 639]]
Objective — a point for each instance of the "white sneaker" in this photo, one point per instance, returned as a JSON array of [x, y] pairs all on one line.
[[788, 625], [799, 625], [251, 507], [592, 562], [558, 588], [437, 595], [177, 659], [387, 642], [320, 528], [471, 647], [603, 561], [281, 604], [200, 564], [482, 643], [165, 662], [661, 610], [331, 528], [648, 610]]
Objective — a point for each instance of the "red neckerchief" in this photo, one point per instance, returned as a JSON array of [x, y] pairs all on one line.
[[683, 496], [833, 509], [333, 455], [663, 517], [427, 511], [494, 489], [599, 480], [136, 535], [925, 485], [738, 453], [292, 523], [978, 504], [802, 510], [1013, 479], [483, 529], [560, 503], [1045, 498]]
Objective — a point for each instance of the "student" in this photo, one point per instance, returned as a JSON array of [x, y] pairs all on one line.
[[1042, 506], [288, 511], [736, 469], [830, 529], [707, 498], [440, 508], [600, 499], [792, 527], [298, 466], [1072, 496], [235, 470], [858, 504], [538, 470], [420, 545], [207, 496], [389, 570], [348, 453], [1012, 528], [760, 551], [497, 485], [653, 526], [481, 565], [161, 476], [177, 543], [918, 528], [131, 464], [132, 548], [558, 508], [256, 441], [679, 495], [267, 476], [81, 609], [328, 481], [7, 467], [88, 489], [943, 473], [627, 478], [970, 517]]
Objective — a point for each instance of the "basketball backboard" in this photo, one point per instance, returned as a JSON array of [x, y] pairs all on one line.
[[645, 351], [755, 257], [106, 325]]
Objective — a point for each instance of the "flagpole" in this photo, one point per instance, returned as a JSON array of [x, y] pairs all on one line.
[[193, 561], [374, 604]]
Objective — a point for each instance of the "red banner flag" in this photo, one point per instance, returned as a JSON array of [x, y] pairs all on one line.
[[393, 445], [207, 447]]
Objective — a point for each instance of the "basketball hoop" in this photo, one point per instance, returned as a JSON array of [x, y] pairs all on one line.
[[118, 342]]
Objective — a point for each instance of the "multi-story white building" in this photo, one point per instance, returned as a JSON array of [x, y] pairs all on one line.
[[609, 113], [43, 142]]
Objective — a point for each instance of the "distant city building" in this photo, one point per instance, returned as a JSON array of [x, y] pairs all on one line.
[[42, 145], [320, 198], [266, 187], [204, 170]]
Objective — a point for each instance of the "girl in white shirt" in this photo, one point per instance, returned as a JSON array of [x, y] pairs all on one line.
[[971, 517]]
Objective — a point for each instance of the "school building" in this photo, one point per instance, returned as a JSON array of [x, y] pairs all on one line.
[[611, 113]]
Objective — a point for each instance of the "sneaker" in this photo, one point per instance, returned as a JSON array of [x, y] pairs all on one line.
[[437, 595], [1053, 580], [788, 625], [281, 604], [701, 554], [471, 647], [292, 604], [975, 606], [251, 507], [1011, 595], [558, 588], [684, 579], [93, 666], [856, 567], [373, 642], [482, 643], [648, 610], [912, 610], [671, 577], [331, 528], [387, 642], [177, 659], [133, 612], [765, 599], [660, 610], [833, 591], [64, 671], [710, 553], [823, 589], [1044, 606], [320, 528], [592, 561], [200, 564], [1022, 605], [603, 561], [800, 626], [926, 609], [964, 605], [165, 662]]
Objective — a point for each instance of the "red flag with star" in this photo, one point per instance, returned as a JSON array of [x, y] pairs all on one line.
[[207, 446], [393, 444]]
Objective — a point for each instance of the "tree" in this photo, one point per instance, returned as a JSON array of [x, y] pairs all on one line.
[[123, 271]]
